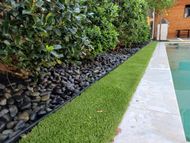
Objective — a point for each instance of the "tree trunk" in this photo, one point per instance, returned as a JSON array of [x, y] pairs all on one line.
[[160, 27], [153, 25]]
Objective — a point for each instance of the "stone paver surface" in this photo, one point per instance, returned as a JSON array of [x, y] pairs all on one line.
[[153, 114]]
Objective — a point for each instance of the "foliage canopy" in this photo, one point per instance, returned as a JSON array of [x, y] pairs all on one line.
[[160, 5]]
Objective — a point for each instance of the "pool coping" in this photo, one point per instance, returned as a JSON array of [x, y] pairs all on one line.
[[153, 114]]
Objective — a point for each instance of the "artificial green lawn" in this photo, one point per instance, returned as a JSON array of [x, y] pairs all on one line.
[[94, 116]]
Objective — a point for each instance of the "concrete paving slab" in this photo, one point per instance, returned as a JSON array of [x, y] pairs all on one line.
[[153, 114], [149, 126]]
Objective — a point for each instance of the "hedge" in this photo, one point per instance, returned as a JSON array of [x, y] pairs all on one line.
[[37, 33]]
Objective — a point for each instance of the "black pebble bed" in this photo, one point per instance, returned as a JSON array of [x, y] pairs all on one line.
[[23, 104]]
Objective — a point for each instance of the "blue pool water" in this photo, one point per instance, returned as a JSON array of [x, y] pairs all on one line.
[[179, 59]]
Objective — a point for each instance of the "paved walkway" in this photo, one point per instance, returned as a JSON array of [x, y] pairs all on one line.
[[179, 40], [153, 115]]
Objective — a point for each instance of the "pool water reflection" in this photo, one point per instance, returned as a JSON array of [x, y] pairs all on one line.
[[179, 59]]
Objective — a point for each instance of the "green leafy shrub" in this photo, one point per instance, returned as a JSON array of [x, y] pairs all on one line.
[[35, 33], [132, 21], [102, 32]]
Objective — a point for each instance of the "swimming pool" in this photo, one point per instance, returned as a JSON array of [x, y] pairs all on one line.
[[179, 60]]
